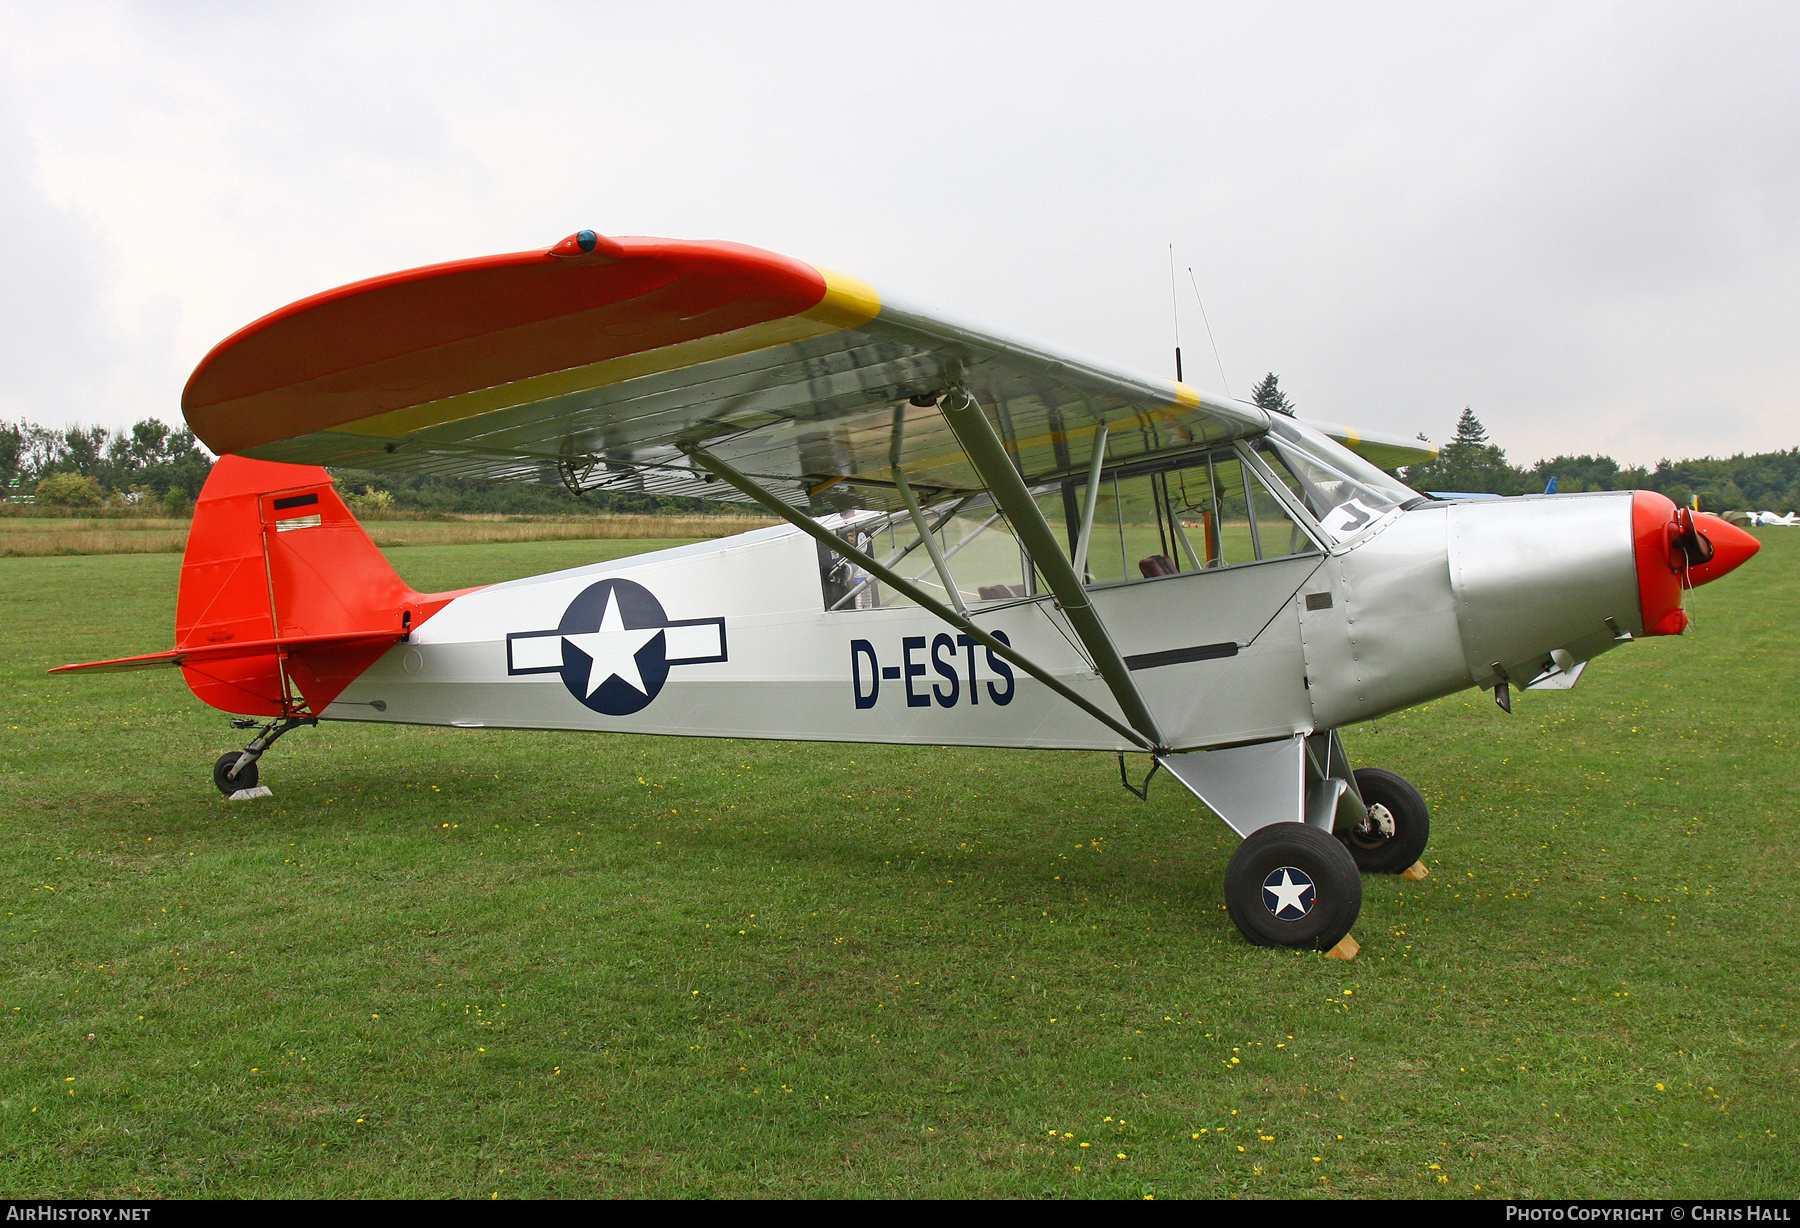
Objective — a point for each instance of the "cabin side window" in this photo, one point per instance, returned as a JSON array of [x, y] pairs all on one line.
[[1193, 514], [1159, 518]]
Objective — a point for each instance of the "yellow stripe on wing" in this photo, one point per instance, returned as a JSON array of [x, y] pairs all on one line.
[[848, 302]]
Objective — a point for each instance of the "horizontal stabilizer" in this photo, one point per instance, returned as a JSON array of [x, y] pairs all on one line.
[[230, 649]]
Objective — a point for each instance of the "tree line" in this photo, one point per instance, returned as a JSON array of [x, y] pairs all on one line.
[[1471, 463], [155, 467], [151, 466]]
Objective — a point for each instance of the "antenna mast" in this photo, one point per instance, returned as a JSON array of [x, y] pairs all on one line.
[[1175, 309]]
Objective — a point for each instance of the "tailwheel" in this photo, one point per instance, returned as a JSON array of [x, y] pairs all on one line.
[[1291, 885], [1399, 823], [228, 783], [235, 770]]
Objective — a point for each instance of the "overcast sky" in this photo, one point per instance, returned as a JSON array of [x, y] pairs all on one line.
[[1582, 220]]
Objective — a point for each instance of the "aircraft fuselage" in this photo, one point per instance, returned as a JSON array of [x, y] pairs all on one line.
[[730, 638]]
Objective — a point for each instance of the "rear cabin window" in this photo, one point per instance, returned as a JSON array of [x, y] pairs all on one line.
[[984, 559]]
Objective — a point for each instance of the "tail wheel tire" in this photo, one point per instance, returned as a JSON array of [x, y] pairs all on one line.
[[1399, 827], [1291, 885], [245, 779]]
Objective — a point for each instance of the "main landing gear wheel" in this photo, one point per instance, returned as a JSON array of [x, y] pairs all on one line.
[[1398, 827], [245, 779], [1290, 885]]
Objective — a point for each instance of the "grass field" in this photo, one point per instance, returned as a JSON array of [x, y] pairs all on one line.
[[37, 536], [467, 964], [40, 536]]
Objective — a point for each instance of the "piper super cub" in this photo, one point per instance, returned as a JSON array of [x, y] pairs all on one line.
[[988, 542]]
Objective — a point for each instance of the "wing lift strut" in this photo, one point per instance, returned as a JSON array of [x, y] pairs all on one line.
[[987, 454]]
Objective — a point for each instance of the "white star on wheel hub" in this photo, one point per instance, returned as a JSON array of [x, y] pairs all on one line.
[[1287, 893]]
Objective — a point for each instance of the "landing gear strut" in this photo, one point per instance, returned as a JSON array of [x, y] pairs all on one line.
[[236, 769], [1312, 825], [1394, 834]]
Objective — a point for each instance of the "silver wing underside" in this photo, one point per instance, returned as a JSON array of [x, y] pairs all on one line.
[[812, 419]]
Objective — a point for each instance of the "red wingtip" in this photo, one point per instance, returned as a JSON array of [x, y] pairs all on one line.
[[1732, 547]]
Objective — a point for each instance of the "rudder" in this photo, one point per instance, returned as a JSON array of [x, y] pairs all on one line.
[[275, 555]]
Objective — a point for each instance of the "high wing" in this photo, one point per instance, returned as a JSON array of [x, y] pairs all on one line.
[[1383, 451], [602, 362]]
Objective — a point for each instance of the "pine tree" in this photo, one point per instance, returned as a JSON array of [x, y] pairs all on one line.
[[1470, 434], [1269, 396], [1468, 463]]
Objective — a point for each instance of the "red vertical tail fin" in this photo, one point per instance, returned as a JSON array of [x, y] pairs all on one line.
[[274, 556]]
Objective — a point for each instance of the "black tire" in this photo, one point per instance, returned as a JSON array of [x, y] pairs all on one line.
[[1293, 855], [1374, 852], [246, 779]]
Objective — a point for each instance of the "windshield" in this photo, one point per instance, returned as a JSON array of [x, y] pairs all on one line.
[[1344, 492]]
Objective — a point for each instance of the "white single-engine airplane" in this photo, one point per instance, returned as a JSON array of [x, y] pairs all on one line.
[[988, 543]]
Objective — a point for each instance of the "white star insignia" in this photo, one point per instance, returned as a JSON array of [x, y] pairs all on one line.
[[612, 650], [1288, 893]]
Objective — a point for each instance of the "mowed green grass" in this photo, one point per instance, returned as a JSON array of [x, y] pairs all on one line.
[[466, 964]]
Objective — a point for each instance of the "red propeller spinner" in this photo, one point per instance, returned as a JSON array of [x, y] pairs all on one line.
[[1679, 548]]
